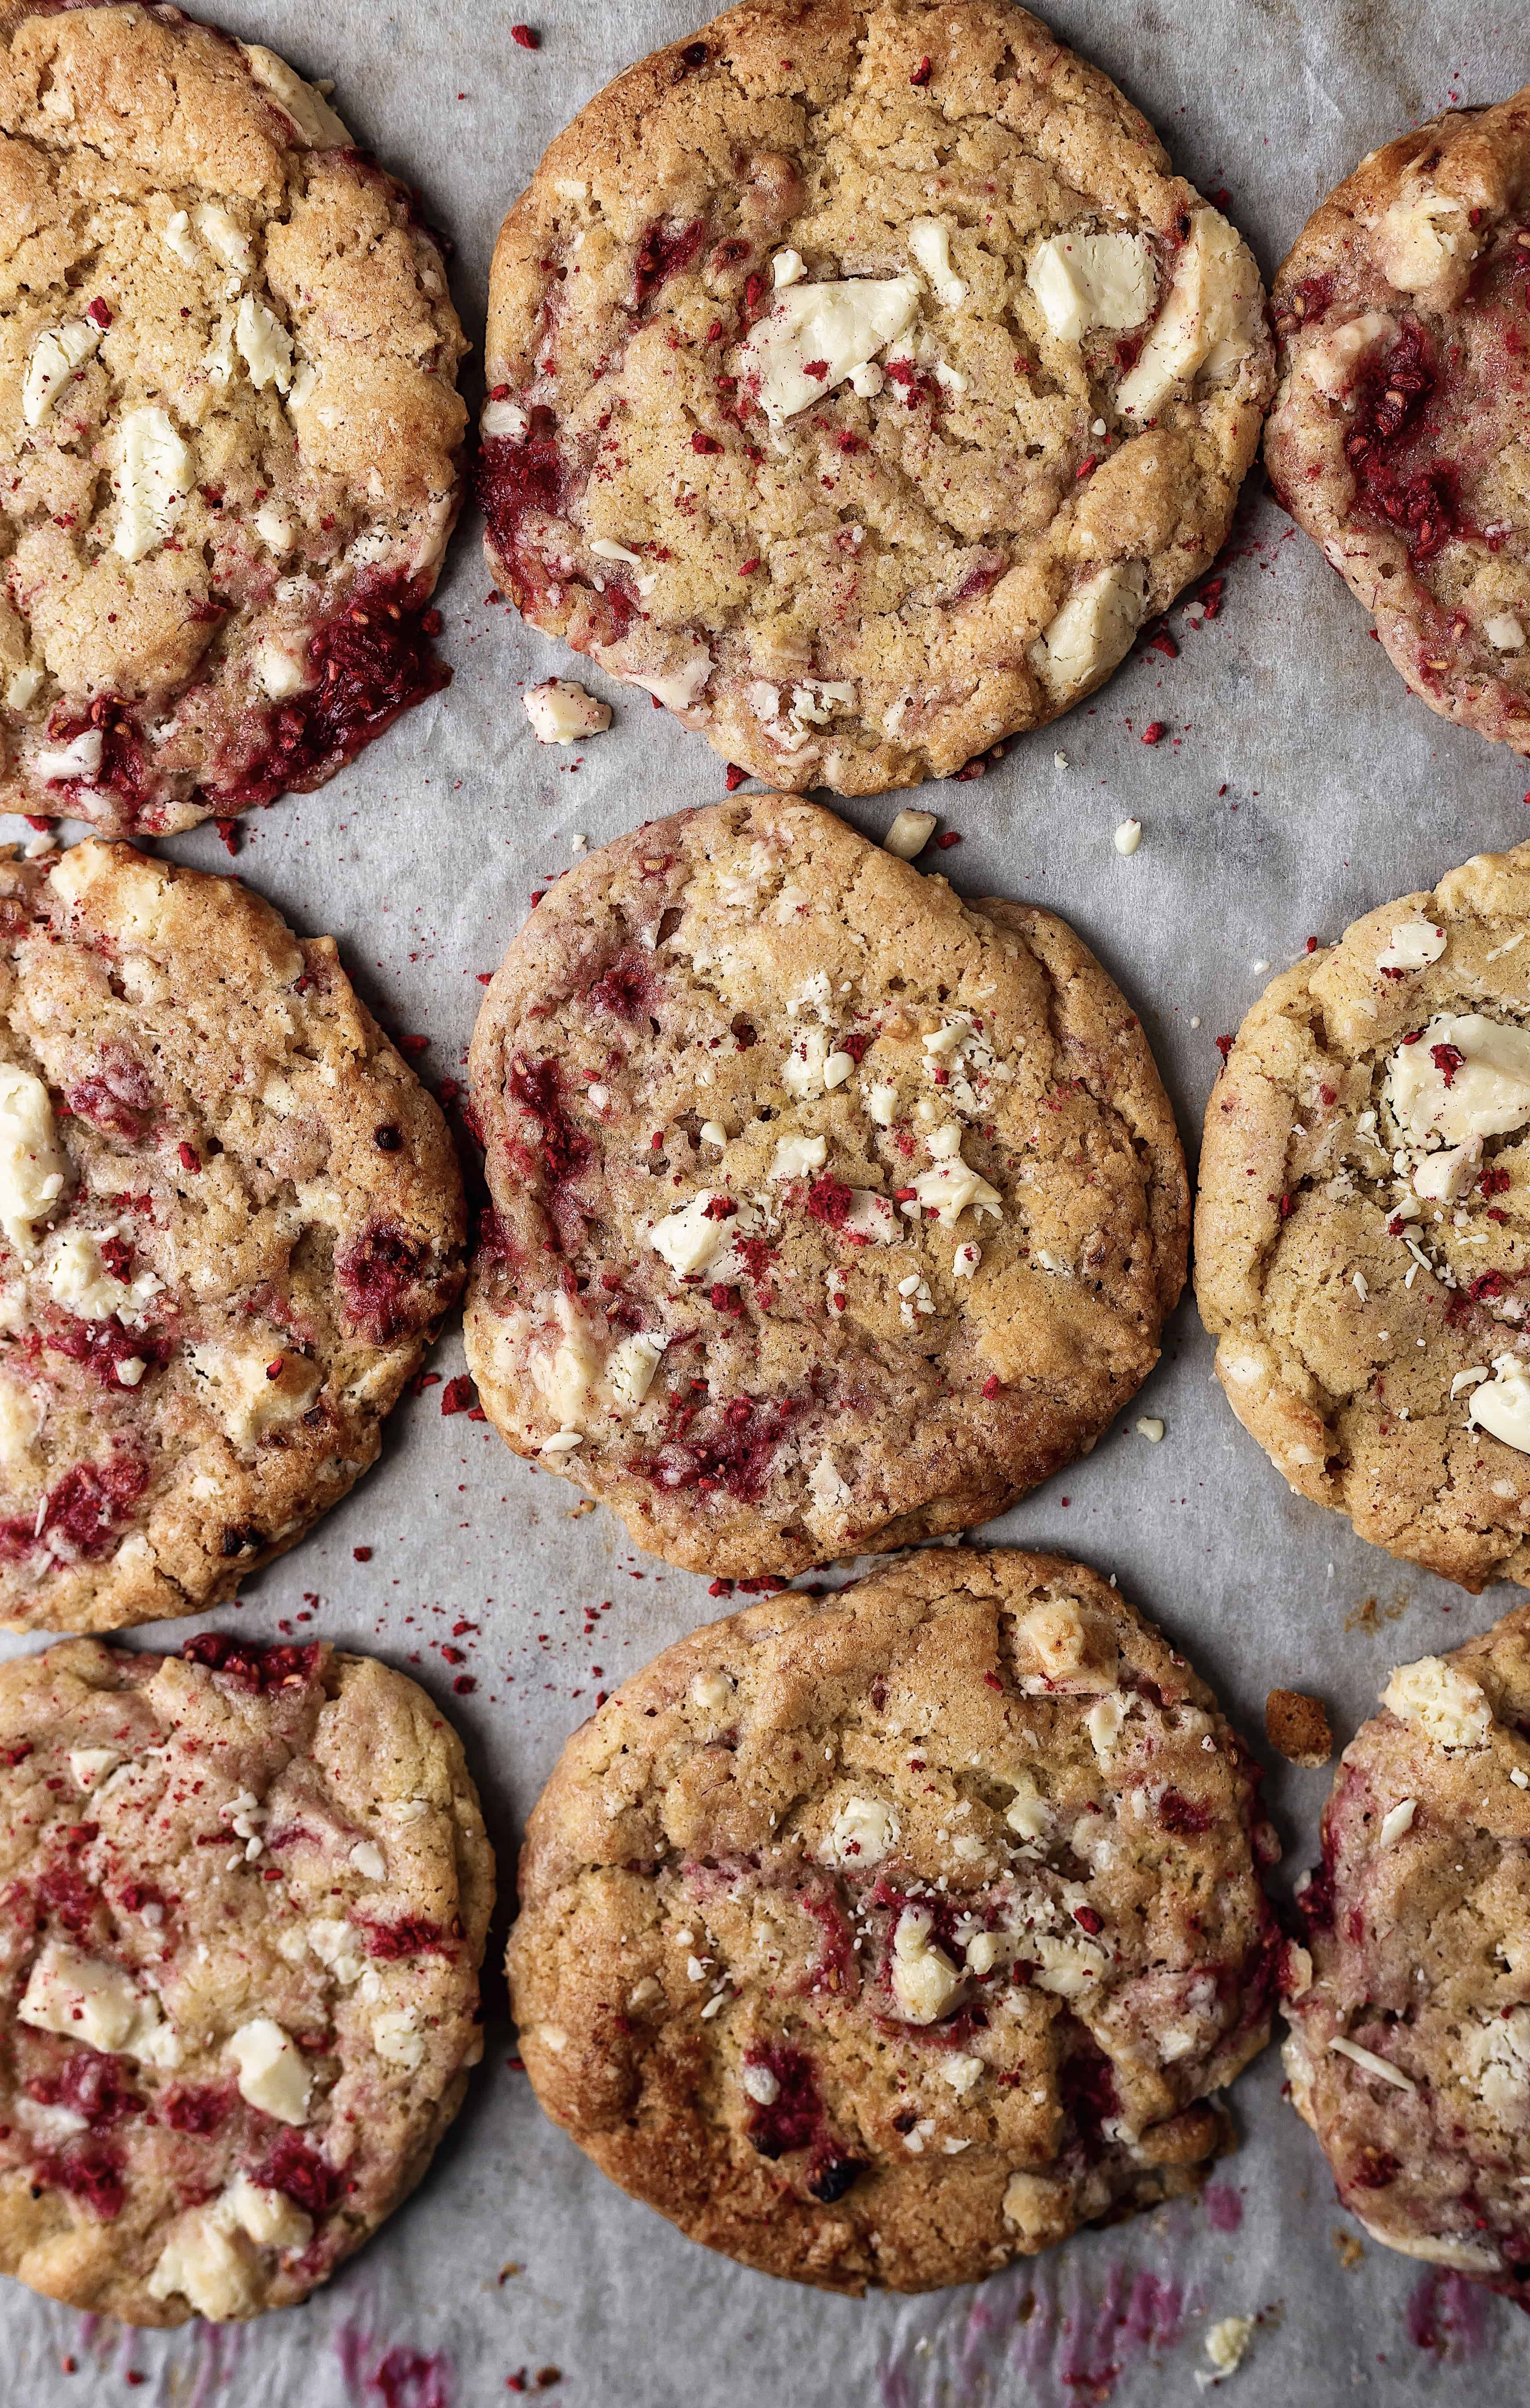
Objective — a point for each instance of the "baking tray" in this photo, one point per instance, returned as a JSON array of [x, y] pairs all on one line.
[[1300, 785]]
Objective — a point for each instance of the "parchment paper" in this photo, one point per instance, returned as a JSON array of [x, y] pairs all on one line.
[[1303, 786]]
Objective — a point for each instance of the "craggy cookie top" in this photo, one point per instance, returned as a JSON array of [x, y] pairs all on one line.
[[860, 379], [885, 1937], [243, 1900], [1399, 436], [1409, 2047], [830, 1211], [228, 422], [229, 1218], [1361, 1229]]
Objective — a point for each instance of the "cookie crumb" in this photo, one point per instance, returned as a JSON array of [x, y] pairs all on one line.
[[1226, 2346], [1348, 2250], [1297, 1727]]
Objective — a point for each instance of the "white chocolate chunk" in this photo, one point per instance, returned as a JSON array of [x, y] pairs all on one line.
[[1093, 630], [223, 237], [1421, 236], [689, 1239], [506, 417], [565, 1373], [78, 1280], [33, 1164], [870, 1216], [1503, 632], [962, 2072], [397, 2038], [930, 242], [1441, 1178], [369, 1861], [1397, 1820], [909, 835], [794, 1156], [837, 326], [265, 344], [1330, 364], [152, 480], [21, 1418], [312, 118], [630, 1368], [1128, 836], [1369, 2062], [829, 1492], [204, 2262], [711, 1691], [271, 2073], [1028, 1816], [1488, 1092], [561, 713], [1444, 1702], [1501, 1405], [79, 759], [862, 1833], [1415, 943], [51, 361], [1104, 1720], [336, 1944], [1207, 324], [677, 689], [236, 1386], [759, 2084], [924, 1980], [282, 667], [269, 2217], [1082, 281], [178, 237], [81, 1997], [787, 267], [953, 1186], [89, 1765]]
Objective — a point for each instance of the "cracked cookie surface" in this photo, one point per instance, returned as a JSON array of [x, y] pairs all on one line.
[[229, 415], [1363, 1218], [885, 1937], [230, 1218], [1409, 2044], [830, 1211], [243, 1900], [860, 379], [1397, 437]]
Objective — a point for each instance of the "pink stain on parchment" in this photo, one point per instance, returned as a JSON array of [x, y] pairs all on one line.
[[394, 2376], [1070, 2348], [1448, 2315], [1223, 2207]]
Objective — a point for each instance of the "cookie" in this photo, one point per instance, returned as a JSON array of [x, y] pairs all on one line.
[[229, 426], [860, 379], [230, 1221], [1362, 1228], [1409, 2010], [245, 1898], [1397, 435], [886, 1937], [830, 1211]]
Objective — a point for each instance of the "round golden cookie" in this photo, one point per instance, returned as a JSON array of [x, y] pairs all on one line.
[[1363, 1227], [860, 379], [1409, 2044], [830, 1211], [886, 1937], [1397, 435], [230, 1221], [229, 425], [246, 1894]]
